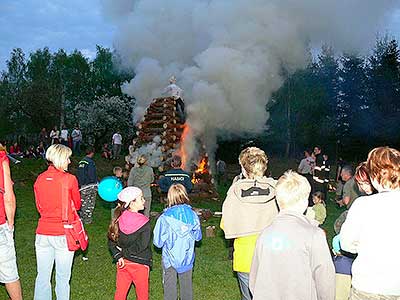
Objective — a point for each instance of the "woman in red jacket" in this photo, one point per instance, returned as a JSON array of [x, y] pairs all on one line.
[[51, 244]]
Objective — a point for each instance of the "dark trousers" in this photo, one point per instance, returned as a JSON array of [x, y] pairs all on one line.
[[170, 277]]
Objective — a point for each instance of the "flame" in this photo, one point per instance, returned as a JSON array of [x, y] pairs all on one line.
[[201, 169], [182, 150]]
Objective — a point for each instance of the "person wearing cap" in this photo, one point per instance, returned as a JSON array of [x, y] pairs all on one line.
[[129, 242], [176, 92], [142, 176]]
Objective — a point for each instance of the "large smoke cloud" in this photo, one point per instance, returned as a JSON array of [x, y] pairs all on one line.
[[228, 54]]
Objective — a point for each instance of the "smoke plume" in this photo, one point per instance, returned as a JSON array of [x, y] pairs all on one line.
[[228, 55]]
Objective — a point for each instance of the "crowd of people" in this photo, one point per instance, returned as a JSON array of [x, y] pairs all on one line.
[[279, 248]]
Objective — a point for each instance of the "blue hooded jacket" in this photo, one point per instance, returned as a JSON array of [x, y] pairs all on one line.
[[176, 232]]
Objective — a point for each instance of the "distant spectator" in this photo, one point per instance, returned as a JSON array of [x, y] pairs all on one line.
[[117, 144], [350, 188], [318, 209], [292, 259], [64, 136], [76, 140], [30, 152], [15, 151], [142, 176], [306, 168], [175, 175], [44, 137], [41, 151], [106, 152], [55, 135], [221, 171], [372, 230]]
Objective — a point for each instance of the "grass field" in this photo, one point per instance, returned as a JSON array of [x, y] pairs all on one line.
[[95, 279]]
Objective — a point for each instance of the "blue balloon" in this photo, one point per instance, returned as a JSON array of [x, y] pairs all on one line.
[[109, 188]]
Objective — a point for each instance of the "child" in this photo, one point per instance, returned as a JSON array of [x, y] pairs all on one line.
[[129, 242], [106, 152], [319, 207], [119, 173], [175, 232]]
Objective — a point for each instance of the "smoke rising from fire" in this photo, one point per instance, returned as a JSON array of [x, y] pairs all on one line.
[[228, 54]]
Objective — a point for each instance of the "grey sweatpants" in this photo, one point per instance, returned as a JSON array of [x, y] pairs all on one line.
[[170, 277]]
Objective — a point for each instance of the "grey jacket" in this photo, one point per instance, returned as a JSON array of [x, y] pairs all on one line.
[[142, 177], [292, 261]]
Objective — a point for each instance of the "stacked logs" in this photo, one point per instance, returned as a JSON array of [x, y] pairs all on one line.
[[161, 119]]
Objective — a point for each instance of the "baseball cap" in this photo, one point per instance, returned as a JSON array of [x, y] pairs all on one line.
[[129, 194]]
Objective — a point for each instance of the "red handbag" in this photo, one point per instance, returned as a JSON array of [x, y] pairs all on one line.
[[75, 233]]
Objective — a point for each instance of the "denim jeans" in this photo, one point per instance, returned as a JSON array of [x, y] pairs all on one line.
[[243, 279], [50, 249], [77, 147]]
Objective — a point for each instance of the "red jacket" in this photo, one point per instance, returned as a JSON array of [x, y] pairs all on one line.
[[48, 192]]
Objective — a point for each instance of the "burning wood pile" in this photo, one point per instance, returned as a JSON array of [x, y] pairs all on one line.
[[160, 135]]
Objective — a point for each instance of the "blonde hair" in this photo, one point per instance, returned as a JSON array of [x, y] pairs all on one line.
[[254, 161], [383, 165], [291, 189], [141, 160], [116, 169], [177, 195], [58, 155]]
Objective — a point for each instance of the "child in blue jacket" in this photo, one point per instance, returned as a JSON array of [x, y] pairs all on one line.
[[176, 232]]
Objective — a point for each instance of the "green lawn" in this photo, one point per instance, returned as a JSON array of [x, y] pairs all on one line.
[[95, 279]]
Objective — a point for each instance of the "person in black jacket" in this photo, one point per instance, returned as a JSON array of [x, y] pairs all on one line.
[[87, 180], [129, 242]]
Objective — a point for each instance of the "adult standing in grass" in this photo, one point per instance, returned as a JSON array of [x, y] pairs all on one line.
[[51, 243], [8, 262], [129, 242], [249, 207], [76, 140], [142, 176], [371, 230], [176, 231], [117, 144]]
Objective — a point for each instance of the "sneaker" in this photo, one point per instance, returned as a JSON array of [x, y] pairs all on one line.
[[84, 258], [17, 162]]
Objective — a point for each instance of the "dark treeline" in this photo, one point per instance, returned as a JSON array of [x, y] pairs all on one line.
[[48, 89], [346, 104]]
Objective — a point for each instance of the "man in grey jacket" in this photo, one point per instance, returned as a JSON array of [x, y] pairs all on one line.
[[292, 260]]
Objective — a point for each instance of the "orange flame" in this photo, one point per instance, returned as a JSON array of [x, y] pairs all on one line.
[[201, 169], [182, 150]]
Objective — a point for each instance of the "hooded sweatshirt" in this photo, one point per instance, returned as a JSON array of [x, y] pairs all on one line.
[[133, 243], [142, 177], [249, 207], [176, 232]]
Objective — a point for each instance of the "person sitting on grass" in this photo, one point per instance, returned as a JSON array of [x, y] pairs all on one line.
[[129, 237], [176, 231], [291, 259], [249, 207]]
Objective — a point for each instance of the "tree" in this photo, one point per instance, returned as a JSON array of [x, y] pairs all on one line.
[[104, 116]]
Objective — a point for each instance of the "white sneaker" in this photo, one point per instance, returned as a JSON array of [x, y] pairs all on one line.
[[84, 258]]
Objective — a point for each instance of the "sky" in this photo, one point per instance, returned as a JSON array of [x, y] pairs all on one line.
[[71, 24]]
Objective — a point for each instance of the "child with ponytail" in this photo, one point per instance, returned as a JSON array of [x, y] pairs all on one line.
[[176, 232], [129, 242]]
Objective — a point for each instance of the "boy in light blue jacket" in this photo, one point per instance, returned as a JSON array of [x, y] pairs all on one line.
[[176, 232]]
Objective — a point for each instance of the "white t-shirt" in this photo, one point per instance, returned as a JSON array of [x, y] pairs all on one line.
[[371, 229], [117, 139], [64, 134], [174, 91]]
